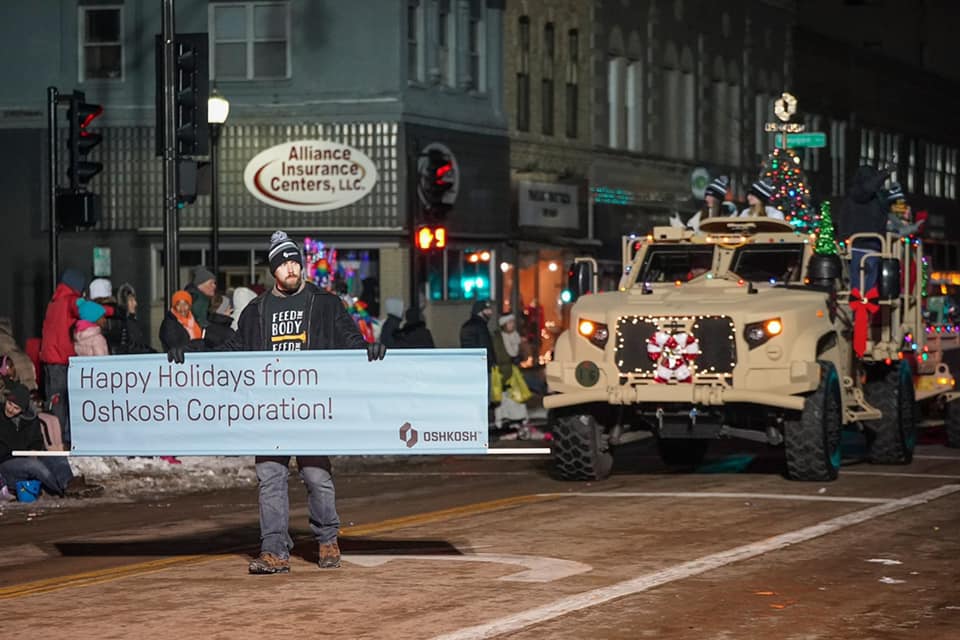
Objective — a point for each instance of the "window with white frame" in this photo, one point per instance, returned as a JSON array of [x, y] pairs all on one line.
[[101, 42], [446, 37], [634, 110], [250, 40], [476, 48], [415, 61], [912, 167], [616, 104], [940, 173]]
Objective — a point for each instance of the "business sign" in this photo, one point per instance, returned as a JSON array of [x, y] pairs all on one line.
[[414, 401], [310, 175], [546, 204], [699, 179]]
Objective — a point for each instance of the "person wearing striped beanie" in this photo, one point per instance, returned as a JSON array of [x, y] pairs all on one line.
[[758, 202]]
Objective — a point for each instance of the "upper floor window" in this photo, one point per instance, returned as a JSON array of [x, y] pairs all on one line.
[[250, 40], [101, 42], [573, 81], [546, 89], [445, 38], [475, 47], [523, 75], [415, 66]]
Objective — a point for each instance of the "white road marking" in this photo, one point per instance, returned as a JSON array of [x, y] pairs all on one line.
[[412, 473], [886, 580], [21, 554], [901, 474], [539, 568], [594, 597], [884, 561], [706, 494], [925, 457], [520, 451]]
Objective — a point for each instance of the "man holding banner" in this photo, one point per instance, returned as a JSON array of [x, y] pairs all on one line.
[[294, 315]]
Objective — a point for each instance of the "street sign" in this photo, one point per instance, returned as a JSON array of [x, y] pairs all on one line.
[[811, 139]]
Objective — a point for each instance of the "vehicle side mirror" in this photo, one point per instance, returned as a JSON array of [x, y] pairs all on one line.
[[581, 277]]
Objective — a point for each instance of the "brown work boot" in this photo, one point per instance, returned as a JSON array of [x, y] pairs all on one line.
[[329, 555], [267, 563]]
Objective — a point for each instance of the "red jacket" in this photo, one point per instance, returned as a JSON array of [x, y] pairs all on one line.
[[57, 345]]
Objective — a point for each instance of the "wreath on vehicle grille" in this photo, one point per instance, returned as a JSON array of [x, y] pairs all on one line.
[[673, 354]]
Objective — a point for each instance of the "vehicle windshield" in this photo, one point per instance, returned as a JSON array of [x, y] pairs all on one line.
[[669, 263], [768, 263]]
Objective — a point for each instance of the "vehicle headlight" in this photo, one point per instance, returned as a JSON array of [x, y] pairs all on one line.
[[756, 333], [595, 332]]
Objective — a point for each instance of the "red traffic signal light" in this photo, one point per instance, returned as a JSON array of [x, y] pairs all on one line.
[[431, 238], [82, 140]]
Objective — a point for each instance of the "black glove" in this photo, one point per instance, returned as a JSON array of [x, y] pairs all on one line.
[[175, 354], [376, 351]]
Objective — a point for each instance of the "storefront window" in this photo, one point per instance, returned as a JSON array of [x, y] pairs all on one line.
[[461, 274]]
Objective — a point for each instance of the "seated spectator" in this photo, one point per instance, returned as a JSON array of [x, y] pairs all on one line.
[[218, 328], [88, 337], [414, 334], [132, 338], [20, 431], [179, 328]]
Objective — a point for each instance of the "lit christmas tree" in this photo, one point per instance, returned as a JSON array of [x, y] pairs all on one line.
[[791, 193], [826, 238]]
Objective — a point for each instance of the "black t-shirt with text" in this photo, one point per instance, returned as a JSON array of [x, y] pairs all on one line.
[[287, 328]]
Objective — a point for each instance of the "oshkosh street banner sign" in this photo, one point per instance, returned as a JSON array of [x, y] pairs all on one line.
[[415, 401]]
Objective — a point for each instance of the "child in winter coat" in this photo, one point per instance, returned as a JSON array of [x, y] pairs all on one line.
[[88, 337]]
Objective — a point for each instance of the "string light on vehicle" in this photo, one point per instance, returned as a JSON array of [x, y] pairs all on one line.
[[715, 336]]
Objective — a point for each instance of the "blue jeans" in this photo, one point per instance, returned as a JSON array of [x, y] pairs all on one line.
[[53, 472], [273, 474], [871, 268]]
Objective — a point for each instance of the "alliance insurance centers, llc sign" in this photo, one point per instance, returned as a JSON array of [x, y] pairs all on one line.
[[310, 175]]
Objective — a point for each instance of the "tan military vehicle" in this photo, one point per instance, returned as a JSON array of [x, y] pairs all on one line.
[[741, 330]]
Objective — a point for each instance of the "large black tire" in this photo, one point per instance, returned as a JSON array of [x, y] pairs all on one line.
[[686, 453], [892, 438], [813, 442], [580, 448], [951, 423]]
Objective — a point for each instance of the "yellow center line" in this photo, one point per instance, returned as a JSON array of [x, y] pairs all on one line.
[[100, 576]]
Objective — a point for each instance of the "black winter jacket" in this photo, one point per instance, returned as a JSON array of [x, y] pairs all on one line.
[[218, 330], [389, 331], [863, 211], [328, 325], [414, 335], [22, 435], [475, 334], [172, 334]]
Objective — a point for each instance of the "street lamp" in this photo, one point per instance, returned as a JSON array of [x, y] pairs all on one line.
[[218, 108]]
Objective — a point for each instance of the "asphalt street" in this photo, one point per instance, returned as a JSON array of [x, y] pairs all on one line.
[[493, 547]]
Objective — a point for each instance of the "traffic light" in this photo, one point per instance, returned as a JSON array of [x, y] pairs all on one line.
[[431, 238], [191, 84], [437, 179], [82, 141], [191, 80]]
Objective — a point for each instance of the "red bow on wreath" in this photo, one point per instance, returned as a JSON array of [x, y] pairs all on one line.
[[863, 307]]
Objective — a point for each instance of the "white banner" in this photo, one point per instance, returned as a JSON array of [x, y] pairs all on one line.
[[414, 401]]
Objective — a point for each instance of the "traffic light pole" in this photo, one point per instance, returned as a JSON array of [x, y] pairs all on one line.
[[171, 243], [52, 98]]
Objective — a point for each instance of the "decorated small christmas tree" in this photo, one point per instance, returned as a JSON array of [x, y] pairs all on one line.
[[826, 238], [791, 194]]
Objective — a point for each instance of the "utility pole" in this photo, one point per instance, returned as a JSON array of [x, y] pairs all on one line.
[[171, 242], [52, 98]]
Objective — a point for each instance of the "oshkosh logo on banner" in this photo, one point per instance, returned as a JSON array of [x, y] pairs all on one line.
[[409, 435]]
